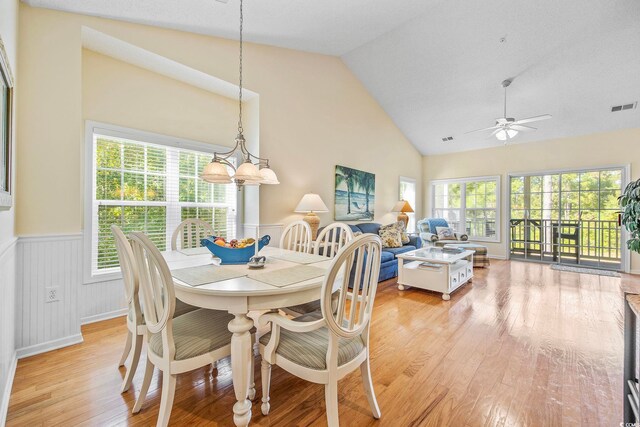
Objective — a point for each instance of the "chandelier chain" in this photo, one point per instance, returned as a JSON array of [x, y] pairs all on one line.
[[240, 67]]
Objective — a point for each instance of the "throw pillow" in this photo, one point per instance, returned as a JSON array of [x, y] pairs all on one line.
[[404, 237], [445, 233], [391, 237]]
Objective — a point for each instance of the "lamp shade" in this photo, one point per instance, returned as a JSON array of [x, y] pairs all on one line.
[[249, 173], [402, 206], [268, 176], [311, 202], [216, 173]]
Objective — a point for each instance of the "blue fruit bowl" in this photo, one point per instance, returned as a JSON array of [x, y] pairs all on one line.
[[234, 255]]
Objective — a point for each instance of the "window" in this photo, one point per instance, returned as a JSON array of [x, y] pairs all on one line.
[[408, 193], [471, 206], [150, 187]]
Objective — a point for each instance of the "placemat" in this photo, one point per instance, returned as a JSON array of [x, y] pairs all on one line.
[[299, 257], [288, 276], [194, 251], [201, 275]]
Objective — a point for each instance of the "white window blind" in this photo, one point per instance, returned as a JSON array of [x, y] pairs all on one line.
[[471, 206], [147, 187]]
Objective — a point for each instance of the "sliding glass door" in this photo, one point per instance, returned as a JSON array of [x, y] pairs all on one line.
[[567, 217]]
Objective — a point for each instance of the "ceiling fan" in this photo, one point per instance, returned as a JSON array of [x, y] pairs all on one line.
[[507, 128]]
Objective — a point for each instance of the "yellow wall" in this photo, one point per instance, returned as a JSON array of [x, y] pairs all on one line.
[[119, 93], [606, 149], [313, 115]]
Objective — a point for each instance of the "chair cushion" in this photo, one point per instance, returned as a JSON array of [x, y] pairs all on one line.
[[196, 333], [181, 308], [436, 222], [387, 255], [309, 349], [309, 307], [396, 251]]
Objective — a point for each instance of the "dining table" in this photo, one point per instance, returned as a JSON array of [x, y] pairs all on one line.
[[244, 294]]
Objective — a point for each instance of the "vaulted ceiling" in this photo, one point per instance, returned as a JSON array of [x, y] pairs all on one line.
[[435, 66]]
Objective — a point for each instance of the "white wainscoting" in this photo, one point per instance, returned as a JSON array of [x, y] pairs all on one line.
[[7, 323], [102, 300], [47, 261], [273, 230]]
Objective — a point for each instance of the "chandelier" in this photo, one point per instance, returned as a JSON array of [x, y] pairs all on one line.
[[253, 170]]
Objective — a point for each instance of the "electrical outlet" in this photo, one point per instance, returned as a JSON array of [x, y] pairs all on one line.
[[51, 294]]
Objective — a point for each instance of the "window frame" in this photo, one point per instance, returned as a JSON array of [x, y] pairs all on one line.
[[414, 215], [89, 171], [463, 203]]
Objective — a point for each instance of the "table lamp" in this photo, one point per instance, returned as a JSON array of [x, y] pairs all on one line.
[[310, 204], [403, 206]]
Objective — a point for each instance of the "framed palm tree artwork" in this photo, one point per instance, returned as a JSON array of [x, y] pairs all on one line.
[[355, 198]]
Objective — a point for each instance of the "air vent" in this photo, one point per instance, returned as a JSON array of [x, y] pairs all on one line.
[[447, 139], [624, 107]]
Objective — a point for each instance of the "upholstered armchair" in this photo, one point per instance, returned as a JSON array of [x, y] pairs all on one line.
[[429, 234]]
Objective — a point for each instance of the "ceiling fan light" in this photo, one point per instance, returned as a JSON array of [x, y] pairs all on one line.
[[501, 135], [512, 133]]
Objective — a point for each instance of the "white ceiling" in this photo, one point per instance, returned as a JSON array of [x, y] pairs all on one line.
[[439, 74], [333, 27], [435, 66]]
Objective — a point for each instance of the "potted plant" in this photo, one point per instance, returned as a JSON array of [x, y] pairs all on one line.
[[630, 204]]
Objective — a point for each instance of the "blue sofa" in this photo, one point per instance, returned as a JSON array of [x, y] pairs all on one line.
[[389, 262]]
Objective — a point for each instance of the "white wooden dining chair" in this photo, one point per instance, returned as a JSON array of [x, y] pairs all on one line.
[[135, 317], [180, 344], [189, 234], [325, 346], [296, 237], [330, 240]]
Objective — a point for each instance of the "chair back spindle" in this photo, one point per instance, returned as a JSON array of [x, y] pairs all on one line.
[[356, 292], [296, 237], [189, 234], [332, 238], [127, 266], [156, 285]]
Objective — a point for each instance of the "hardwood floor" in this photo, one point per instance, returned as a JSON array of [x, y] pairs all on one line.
[[521, 345]]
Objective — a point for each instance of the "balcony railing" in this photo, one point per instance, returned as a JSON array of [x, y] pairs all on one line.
[[589, 242]]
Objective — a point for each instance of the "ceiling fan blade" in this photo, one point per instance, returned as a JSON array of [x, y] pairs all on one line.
[[480, 130], [522, 128], [532, 119]]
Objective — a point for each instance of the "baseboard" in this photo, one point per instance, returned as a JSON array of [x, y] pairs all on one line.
[[497, 257], [634, 271], [103, 316], [6, 394], [48, 346]]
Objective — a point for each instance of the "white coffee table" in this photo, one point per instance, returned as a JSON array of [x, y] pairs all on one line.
[[435, 270]]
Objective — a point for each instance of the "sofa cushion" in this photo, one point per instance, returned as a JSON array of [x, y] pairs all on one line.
[[369, 227], [397, 251], [386, 256]]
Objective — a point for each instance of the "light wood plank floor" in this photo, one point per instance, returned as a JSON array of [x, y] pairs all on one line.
[[522, 345]]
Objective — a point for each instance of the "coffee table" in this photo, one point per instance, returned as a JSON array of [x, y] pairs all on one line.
[[435, 270]]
